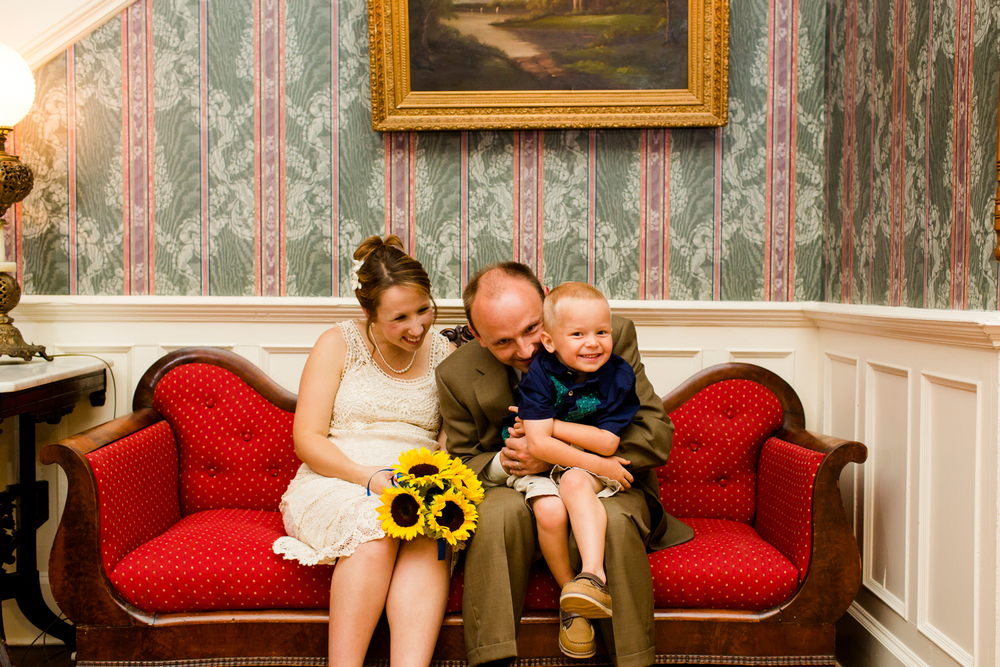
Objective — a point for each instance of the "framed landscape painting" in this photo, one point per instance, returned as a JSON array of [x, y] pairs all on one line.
[[507, 64]]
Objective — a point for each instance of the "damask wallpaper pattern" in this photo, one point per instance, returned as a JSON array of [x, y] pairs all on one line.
[[912, 141], [189, 147]]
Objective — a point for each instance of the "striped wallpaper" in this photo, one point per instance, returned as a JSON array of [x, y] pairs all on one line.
[[913, 90], [189, 147]]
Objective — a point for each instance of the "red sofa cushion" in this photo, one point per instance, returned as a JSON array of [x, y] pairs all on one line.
[[220, 560], [137, 487], [785, 483], [718, 434], [726, 566], [235, 446]]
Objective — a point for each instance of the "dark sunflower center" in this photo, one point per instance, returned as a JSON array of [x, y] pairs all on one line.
[[452, 517], [405, 511], [424, 470]]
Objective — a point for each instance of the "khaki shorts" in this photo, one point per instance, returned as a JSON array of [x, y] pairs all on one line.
[[533, 486]]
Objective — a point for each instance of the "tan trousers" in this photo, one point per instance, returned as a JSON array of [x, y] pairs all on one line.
[[498, 560]]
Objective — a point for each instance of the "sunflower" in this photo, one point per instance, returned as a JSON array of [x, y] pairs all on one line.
[[401, 512], [466, 480], [451, 517], [422, 467]]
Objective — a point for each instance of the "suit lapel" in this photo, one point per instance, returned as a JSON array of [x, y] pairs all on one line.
[[493, 388]]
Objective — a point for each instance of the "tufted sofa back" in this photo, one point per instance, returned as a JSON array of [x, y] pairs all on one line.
[[718, 434], [234, 446]]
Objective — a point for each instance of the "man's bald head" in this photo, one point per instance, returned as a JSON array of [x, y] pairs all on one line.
[[493, 279]]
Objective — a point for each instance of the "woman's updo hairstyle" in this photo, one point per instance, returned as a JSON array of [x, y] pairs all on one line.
[[385, 264]]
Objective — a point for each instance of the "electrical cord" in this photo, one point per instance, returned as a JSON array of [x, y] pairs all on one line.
[[111, 373], [47, 659]]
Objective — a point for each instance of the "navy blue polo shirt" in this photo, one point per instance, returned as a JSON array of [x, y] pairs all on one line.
[[606, 399]]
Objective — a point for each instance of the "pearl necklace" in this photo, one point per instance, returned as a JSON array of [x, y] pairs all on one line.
[[377, 349]]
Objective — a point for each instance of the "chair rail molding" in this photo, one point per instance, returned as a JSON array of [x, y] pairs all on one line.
[[950, 327]]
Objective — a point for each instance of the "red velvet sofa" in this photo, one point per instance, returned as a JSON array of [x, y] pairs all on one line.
[[164, 549]]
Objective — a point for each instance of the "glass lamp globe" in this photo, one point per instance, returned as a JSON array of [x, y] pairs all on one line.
[[17, 86], [17, 93]]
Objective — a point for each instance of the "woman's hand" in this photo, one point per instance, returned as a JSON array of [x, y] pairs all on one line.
[[614, 468], [378, 480]]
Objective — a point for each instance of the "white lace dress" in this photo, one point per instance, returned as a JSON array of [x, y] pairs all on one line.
[[375, 418]]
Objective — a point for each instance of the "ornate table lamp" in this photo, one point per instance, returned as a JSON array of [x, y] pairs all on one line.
[[17, 92]]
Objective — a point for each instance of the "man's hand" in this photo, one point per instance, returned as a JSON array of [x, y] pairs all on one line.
[[514, 457]]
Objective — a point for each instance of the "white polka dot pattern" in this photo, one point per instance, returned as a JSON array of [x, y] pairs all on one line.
[[718, 433], [786, 477], [220, 560], [726, 566], [137, 490], [235, 446]]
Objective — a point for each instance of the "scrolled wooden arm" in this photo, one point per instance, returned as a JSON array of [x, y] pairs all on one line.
[[76, 573], [834, 575]]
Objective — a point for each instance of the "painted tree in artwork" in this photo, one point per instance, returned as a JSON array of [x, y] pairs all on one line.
[[425, 18]]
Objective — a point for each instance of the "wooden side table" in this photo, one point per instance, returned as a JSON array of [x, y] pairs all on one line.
[[37, 391]]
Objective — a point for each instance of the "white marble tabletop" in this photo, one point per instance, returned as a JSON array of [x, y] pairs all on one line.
[[16, 374]]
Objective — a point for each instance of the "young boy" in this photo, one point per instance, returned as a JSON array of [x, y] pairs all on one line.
[[575, 400]]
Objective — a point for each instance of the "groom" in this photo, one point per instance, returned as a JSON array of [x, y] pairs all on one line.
[[503, 304]]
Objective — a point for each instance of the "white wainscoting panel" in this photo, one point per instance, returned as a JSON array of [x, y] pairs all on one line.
[[841, 415], [950, 451], [781, 362], [667, 368], [950, 556], [841, 394], [284, 363], [887, 485]]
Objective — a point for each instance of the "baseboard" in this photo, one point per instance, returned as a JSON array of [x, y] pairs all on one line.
[[864, 642]]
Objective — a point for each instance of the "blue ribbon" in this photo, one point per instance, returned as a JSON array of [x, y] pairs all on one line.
[[368, 487], [368, 491]]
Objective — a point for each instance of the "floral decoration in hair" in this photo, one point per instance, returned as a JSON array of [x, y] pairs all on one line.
[[355, 281]]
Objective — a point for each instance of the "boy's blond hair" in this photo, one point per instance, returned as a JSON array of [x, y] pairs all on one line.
[[568, 290]]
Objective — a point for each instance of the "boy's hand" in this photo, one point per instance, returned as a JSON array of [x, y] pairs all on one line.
[[517, 430], [614, 468], [514, 457]]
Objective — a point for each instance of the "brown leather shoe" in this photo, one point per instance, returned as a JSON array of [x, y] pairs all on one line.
[[576, 636], [587, 596]]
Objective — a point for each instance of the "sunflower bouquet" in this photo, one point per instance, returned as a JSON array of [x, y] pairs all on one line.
[[433, 494]]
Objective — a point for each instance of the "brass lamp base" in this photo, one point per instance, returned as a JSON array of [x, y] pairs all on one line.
[[11, 342]]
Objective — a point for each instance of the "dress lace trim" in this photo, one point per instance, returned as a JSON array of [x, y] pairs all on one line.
[[375, 418]]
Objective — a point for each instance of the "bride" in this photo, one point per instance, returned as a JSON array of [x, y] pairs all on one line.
[[367, 394]]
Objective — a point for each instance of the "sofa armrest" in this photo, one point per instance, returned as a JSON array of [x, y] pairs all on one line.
[[834, 574], [77, 574]]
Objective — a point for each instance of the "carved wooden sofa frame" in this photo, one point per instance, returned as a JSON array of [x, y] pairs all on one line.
[[109, 629]]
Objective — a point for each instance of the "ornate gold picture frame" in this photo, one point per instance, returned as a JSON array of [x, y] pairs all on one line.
[[566, 63]]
